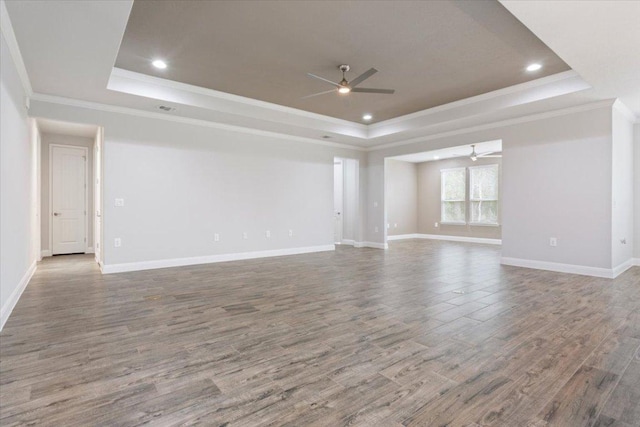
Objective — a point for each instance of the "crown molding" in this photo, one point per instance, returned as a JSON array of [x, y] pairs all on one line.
[[625, 111], [14, 49], [70, 102], [501, 123]]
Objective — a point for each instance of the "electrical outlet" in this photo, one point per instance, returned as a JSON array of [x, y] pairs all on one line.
[[216, 237], [553, 241], [117, 242], [388, 226], [119, 202], [437, 225], [395, 225], [375, 204], [245, 235], [267, 234], [375, 230], [290, 233]]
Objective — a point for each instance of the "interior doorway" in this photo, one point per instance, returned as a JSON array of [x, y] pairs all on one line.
[[70, 168], [346, 200]]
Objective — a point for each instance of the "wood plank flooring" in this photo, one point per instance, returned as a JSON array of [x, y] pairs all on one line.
[[359, 337]]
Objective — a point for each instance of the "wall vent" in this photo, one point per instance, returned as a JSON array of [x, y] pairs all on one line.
[[166, 108]]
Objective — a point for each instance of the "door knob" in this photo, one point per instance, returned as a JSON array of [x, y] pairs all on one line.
[[56, 214]]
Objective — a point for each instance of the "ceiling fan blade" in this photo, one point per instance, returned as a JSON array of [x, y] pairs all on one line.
[[319, 93], [485, 154], [323, 79], [362, 77], [367, 90]]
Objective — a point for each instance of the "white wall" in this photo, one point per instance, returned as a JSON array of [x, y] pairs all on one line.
[[556, 179], [636, 186], [622, 185], [401, 188], [18, 187], [77, 141], [182, 183]]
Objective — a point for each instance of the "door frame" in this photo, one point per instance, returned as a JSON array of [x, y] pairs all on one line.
[[86, 193]]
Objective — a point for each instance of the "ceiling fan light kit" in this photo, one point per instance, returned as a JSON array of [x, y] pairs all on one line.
[[345, 86]]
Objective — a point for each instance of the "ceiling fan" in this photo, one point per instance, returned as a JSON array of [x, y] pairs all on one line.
[[345, 86], [475, 156]]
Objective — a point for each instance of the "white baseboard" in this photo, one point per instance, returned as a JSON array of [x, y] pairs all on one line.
[[374, 245], [618, 270], [404, 236], [448, 238], [45, 253], [607, 273], [11, 302], [89, 250], [179, 262], [636, 261], [348, 242]]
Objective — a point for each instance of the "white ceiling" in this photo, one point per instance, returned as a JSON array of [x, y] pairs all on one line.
[[69, 49], [599, 39], [451, 152], [66, 128]]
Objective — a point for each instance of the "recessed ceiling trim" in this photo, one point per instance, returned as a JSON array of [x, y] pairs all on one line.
[[120, 77], [70, 102], [10, 37], [287, 117]]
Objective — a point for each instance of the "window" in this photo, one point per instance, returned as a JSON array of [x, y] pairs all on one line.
[[453, 194], [483, 194]]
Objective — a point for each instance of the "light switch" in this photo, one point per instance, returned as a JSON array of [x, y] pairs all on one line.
[[119, 202]]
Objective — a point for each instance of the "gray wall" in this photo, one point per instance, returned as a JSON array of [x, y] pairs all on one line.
[[622, 184], [429, 199], [636, 186], [46, 140], [182, 183], [556, 182], [18, 186], [402, 197]]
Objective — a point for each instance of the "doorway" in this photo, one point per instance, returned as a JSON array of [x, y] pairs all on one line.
[[346, 200]]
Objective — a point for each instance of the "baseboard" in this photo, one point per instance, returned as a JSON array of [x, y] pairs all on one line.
[[636, 261], [180, 262], [616, 271], [448, 238], [348, 242], [583, 270], [11, 302], [89, 250], [45, 253], [404, 236], [374, 245]]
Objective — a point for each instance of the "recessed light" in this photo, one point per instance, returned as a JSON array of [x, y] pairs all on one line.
[[534, 67], [159, 63], [367, 117], [436, 157]]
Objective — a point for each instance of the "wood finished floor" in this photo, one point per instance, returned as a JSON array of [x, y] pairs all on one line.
[[359, 337]]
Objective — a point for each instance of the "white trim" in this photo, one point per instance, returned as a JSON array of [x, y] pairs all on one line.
[[178, 262], [374, 245], [120, 73], [583, 270], [70, 102], [498, 124], [520, 87], [348, 242], [625, 111], [404, 236], [7, 31], [86, 195], [621, 268], [465, 239], [45, 253], [636, 261], [11, 302], [89, 250]]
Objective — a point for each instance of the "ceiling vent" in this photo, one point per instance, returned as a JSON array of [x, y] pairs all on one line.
[[166, 108], [326, 136]]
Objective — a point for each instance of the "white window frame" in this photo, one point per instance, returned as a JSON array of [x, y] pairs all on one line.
[[442, 200], [471, 200]]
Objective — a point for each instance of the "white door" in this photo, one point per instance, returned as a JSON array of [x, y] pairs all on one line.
[[338, 198], [68, 189]]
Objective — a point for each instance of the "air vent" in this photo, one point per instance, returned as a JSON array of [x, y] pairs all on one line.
[[166, 108], [326, 136]]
